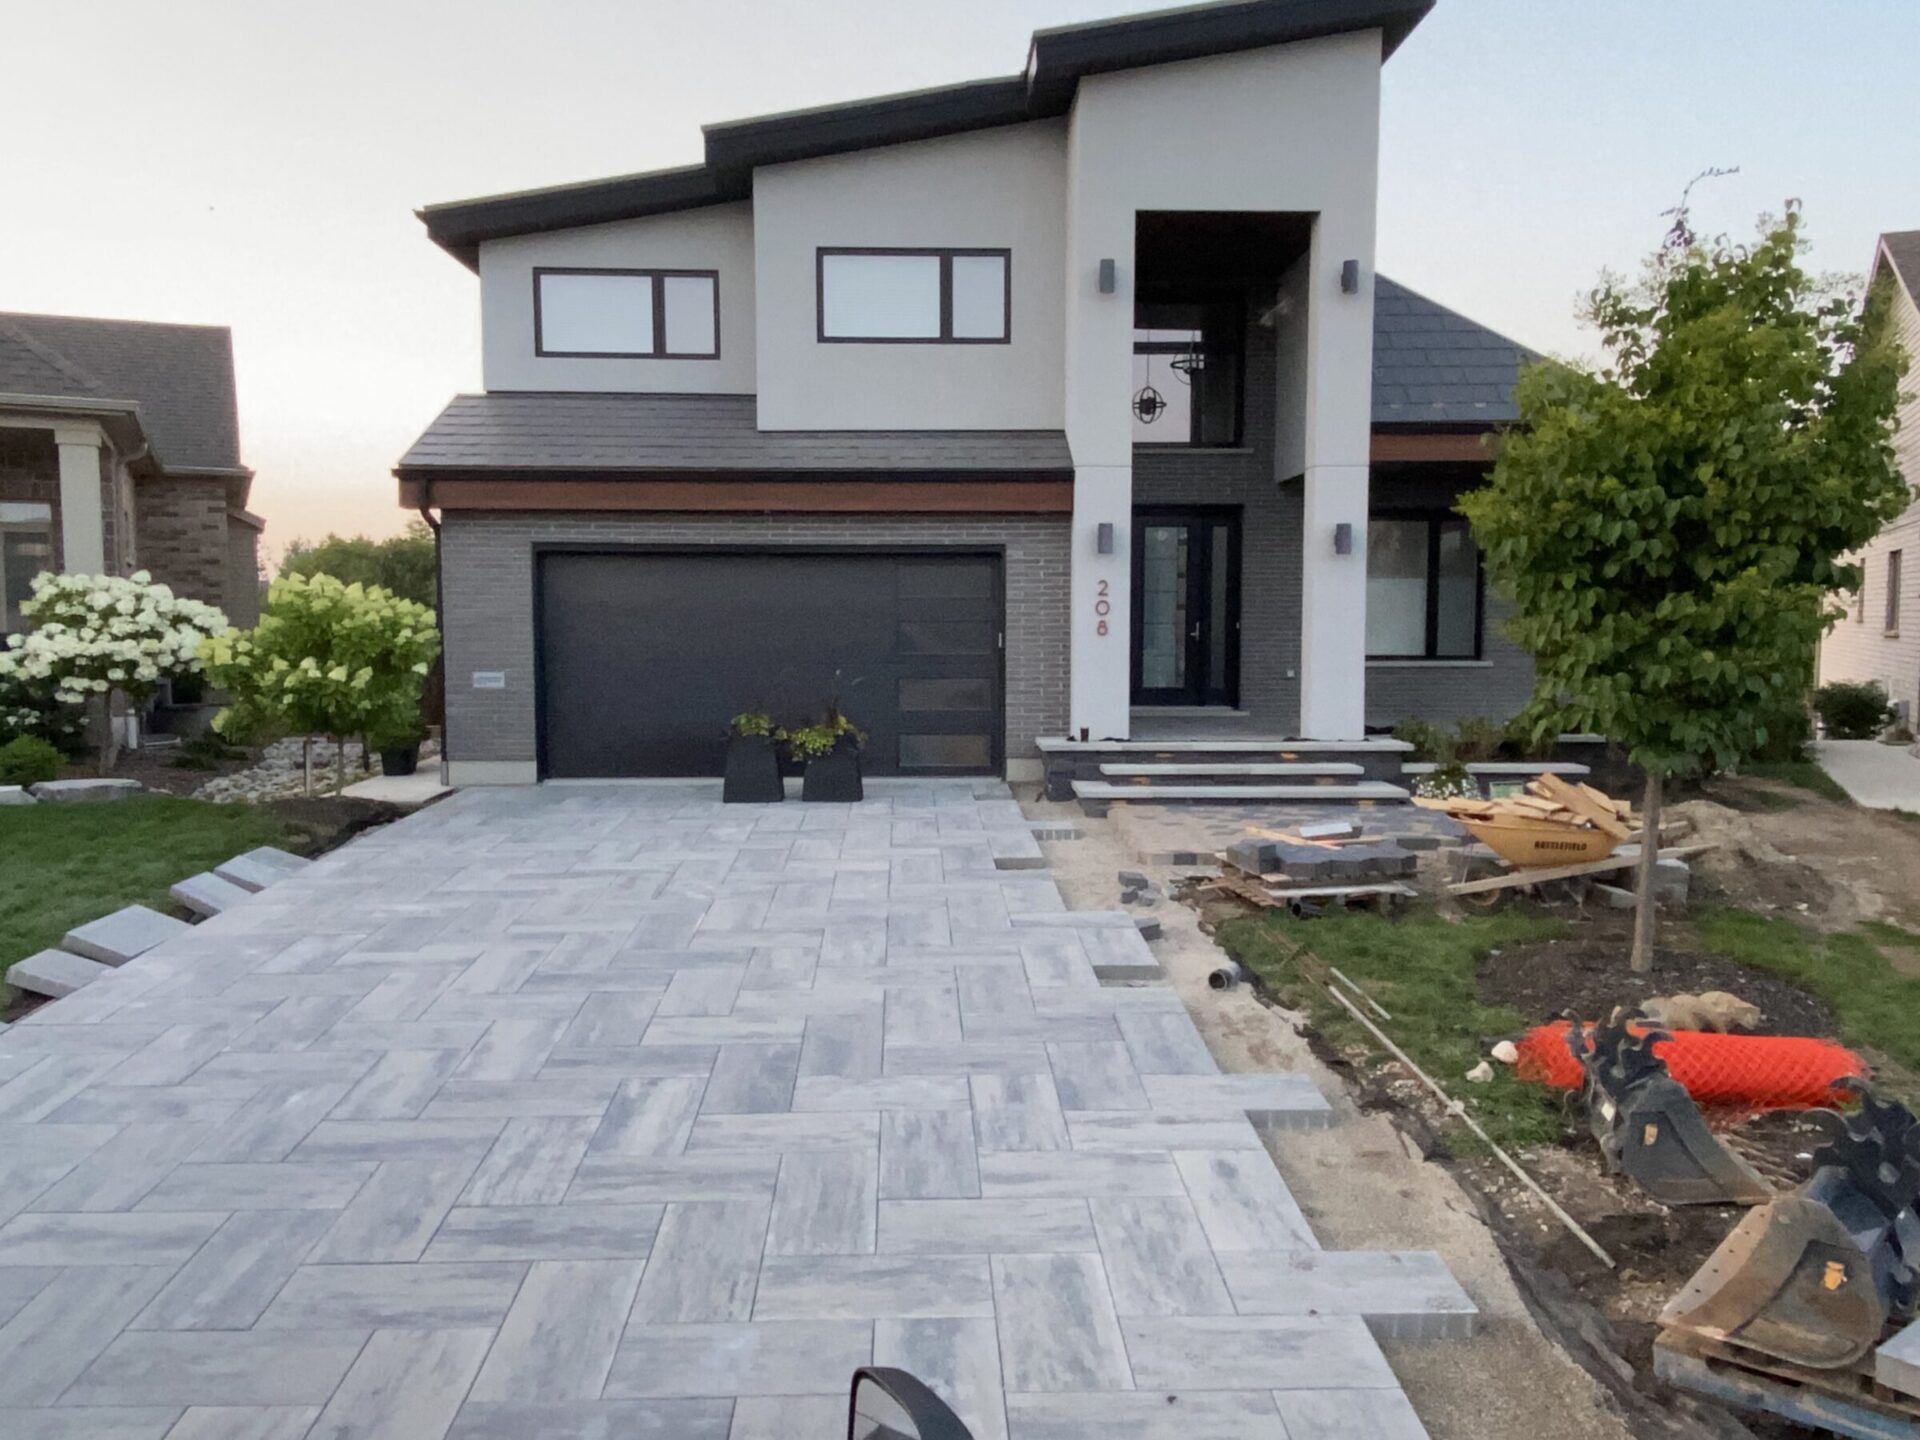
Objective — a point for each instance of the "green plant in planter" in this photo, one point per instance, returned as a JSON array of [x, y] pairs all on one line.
[[1449, 782], [810, 742], [749, 723]]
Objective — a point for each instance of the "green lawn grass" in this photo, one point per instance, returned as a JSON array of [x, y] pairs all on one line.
[[1876, 1006], [1419, 967], [1803, 774], [62, 865]]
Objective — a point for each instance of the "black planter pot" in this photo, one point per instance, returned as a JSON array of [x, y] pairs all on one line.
[[835, 776], [402, 761], [753, 772]]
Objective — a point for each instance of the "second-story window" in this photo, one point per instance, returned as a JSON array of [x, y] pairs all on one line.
[[915, 297], [1186, 372], [626, 314]]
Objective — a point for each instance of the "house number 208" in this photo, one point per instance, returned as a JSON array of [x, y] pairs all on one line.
[[1102, 607]]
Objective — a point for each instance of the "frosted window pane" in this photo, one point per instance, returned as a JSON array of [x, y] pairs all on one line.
[[880, 297], [979, 297], [690, 315], [1397, 587], [596, 314]]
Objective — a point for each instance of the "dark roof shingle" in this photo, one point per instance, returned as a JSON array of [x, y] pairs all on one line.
[[622, 434], [1434, 366], [181, 376], [1903, 249]]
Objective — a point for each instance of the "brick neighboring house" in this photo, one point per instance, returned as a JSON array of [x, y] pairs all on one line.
[[1880, 638], [120, 451]]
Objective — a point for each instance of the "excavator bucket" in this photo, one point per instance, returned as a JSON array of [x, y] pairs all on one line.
[[1648, 1126], [1788, 1282], [1814, 1277]]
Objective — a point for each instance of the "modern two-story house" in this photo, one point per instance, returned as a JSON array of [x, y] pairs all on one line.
[[120, 451], [1879, 640], [1032, 413]]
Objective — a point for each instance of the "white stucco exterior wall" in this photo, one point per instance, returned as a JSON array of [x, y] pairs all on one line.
[[1291, 128], [1001, 188], [717, 237]]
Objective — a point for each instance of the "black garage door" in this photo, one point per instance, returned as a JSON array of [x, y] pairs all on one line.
[[645, 656]]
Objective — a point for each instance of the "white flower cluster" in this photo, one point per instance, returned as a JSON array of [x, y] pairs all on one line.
[[95, 633]]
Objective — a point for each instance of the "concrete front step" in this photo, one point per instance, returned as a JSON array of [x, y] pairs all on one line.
[[54, 973], [1196, 770], [1102, 793], [206, 894], [1508, 769], [257, 869], [1276, 745], [126, 933]]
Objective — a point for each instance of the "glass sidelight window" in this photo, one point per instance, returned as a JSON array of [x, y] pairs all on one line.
[[26, 549], [1423, 588]]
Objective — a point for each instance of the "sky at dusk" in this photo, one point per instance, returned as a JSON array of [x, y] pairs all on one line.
[[257, 165]]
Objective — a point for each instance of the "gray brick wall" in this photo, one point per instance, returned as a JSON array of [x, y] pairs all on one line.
[[487, 568], [181, 534]]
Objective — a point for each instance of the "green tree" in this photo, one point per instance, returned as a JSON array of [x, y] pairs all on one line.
[[1671, 525], [402, 564], [326, 659]]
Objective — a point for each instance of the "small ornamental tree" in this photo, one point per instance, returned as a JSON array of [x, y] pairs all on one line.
[[1671, 526], [326, 659], [96, 634]]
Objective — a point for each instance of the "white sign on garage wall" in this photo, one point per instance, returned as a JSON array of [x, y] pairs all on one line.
[[489, 679]]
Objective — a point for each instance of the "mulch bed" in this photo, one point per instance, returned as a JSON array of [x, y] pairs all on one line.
[[1588, 977]]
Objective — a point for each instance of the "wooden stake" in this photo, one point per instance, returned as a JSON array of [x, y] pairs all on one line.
[[1644, 916]]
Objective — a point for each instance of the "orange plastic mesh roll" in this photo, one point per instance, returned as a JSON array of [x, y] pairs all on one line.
[[1761, 1072]]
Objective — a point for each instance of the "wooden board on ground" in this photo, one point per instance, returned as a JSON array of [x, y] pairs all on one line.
[[1275, 897], [1567, 872], [1846, 1402]]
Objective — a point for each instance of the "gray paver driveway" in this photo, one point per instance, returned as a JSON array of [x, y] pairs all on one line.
[[594, 1112]]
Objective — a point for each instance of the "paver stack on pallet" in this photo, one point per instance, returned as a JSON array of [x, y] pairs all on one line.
[[608, 1110]]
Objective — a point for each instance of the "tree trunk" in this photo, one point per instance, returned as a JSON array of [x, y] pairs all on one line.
[[1645, 917], [306, 762], [109, 737], [339, 763]]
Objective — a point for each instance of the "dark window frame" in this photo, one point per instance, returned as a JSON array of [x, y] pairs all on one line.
[[1434, 519], [1237, 349], [1895, 567], [946, 256], [659, 278]]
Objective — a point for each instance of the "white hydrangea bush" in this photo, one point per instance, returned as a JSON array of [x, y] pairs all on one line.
[[93, 634]]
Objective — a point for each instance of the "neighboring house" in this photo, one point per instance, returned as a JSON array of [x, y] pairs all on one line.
[[1880, 637], [120, 451], [1060, 405]]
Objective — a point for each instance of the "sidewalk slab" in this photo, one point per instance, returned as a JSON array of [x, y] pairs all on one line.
[[1880, 777], [259, 868]]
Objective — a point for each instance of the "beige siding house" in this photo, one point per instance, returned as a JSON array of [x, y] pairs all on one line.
[[1880, 637]]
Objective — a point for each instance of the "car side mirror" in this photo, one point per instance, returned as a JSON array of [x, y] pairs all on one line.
[[890, 1404]]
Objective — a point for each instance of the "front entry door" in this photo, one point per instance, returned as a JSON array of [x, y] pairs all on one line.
[[1186, 607]]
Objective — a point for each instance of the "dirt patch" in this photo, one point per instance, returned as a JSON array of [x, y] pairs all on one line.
[[1836, 864], [1588, 977], [330, 821]]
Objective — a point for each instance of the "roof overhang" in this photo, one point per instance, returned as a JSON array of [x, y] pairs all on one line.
[[1057, 60]]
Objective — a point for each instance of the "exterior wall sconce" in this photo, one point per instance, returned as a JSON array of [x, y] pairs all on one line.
[[1103, 538], [1343, 539], [1109, 279], [1349, 277]]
